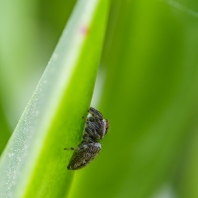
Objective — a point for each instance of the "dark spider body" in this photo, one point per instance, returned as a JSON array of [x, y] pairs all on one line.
[[95, 130]]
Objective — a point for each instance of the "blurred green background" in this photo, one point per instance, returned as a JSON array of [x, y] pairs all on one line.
[[147, 87]]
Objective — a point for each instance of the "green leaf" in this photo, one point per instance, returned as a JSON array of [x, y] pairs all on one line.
[[34, 162]]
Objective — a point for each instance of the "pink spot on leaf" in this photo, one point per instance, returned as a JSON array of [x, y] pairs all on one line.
[[83, 30]]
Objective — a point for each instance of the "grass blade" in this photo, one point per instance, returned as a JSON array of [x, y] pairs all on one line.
[[34, 162]]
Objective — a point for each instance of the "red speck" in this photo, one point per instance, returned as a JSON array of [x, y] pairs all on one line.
[[83, 30]]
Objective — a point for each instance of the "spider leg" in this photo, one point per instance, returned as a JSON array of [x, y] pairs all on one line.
[[96, 114]]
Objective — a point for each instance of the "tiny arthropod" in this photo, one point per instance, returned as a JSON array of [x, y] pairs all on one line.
[[95, 129]]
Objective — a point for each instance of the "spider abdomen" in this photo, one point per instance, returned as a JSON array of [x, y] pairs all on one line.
[[83, 155]]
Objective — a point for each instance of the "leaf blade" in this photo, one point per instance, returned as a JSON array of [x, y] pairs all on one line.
[[34, 163]]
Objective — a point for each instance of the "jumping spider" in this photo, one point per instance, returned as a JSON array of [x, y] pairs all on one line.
[[95, 130]]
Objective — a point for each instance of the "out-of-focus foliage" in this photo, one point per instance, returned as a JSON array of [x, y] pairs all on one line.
[[4, 130], [150, 96], [147, 88]]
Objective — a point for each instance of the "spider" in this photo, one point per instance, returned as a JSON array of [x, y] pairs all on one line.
[[95, 130]]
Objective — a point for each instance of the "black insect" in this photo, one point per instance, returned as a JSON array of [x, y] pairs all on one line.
[[95, 129]]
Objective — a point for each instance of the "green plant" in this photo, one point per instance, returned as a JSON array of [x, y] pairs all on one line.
[[33, 162], [146, 87]]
